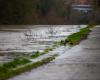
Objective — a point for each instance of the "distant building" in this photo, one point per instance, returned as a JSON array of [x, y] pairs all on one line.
[[84, 2], [84, 6]]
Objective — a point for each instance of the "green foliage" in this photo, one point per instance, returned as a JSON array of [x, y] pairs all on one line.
[[77, 37], [62, 42], [37, 54], [47, 50], [91, 26], [49, 59], [11, 73], [13, 64]]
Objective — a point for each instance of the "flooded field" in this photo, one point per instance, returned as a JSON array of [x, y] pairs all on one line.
[[81, 62], [15, 40]]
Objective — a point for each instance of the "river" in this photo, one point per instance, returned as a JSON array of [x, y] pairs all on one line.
[[16, 40]]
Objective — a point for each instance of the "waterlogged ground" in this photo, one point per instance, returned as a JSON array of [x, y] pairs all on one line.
[[15, 40], [81, 62], [24, 39]]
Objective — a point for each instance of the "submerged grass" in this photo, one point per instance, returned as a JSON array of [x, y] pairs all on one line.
[[37, 54], [13, 64], [73, 39], [7, 70], [13, 72], [77, 37]]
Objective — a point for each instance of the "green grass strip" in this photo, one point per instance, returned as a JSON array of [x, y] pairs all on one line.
[[37, 54], [13, 64], [12, 72], [77, 37]]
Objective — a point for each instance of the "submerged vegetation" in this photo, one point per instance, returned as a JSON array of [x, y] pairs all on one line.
[[75, 38], [37, 54], [20, 65], [13, 64], [72, 39], [5, 74]]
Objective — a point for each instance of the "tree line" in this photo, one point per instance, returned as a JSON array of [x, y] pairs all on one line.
[[36, 12], [32, 11]]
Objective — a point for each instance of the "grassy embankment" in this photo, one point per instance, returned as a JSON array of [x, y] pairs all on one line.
[[75, 38], [9, 70]]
